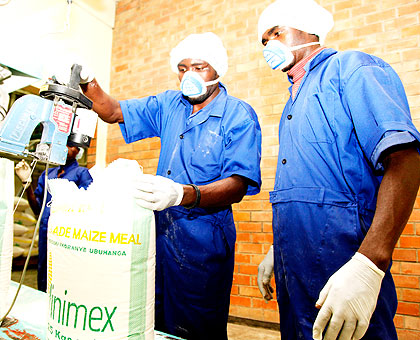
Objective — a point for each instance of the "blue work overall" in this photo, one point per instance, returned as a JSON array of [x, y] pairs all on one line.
[[195, 248], [349, 108]]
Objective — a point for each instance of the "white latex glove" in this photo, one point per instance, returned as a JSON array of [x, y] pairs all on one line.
[[348, 300], [157, 192], [265, 273], [23, 171]]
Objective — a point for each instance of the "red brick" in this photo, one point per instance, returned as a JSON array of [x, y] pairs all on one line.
[[407, 334], [249, 291], [412, 323], [267, 227], [399, 321], [250, 205], [241, 301], [243, 237], [410, 268], [249, 248], [242, 279], [249, 226], [248, 269], [406, 281], [262, 238], [405, 254], [242, 258], [408, 308], [409, 229], [409, 9], [256, 259], [241, 216], [234, 290], [411, 295], [261, 216], [261, 303], [409, 241]]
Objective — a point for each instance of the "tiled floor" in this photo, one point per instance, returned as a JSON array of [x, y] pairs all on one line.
[[235, 331]]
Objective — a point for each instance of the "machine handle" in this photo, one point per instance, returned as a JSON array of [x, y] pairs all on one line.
[[75, 76]]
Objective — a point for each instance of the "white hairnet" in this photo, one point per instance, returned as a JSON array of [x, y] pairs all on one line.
[[304, 15], [206, 46]]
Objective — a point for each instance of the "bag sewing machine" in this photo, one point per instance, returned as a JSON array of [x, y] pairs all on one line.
[[55, 109]]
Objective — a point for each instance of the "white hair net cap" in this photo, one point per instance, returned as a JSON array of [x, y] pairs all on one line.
[[205, 46], [304, 15]]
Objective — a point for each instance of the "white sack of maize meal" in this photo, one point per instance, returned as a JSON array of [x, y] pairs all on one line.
[[7, 193], [101, 258]]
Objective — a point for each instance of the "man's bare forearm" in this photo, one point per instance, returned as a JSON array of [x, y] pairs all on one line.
[[218, 194], [107, 108], [396, 196]]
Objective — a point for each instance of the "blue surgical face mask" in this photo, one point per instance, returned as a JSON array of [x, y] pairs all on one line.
[[192, 85], [279, 56]]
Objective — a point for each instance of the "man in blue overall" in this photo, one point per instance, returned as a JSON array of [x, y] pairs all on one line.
[[70, 171], [347, 176], [209, 159]]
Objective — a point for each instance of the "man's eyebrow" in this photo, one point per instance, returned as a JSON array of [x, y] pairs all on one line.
[[195, 64], [272, 30]]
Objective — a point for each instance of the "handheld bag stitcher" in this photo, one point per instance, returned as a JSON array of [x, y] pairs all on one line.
[[101, 259]]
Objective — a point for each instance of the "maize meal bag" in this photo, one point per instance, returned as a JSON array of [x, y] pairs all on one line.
[[101, 259], [7, 192]]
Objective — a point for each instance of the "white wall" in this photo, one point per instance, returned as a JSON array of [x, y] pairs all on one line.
[[39, 36]]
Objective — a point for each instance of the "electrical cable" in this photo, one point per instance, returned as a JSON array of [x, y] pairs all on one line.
[[22, 278], [33, 165]]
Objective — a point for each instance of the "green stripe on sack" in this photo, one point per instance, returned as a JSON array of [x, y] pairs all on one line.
[[138, 278]]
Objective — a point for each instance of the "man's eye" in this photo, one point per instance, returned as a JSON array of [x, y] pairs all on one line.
[[278, 33]]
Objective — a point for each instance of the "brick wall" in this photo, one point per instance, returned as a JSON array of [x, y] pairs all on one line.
[[147, 30]]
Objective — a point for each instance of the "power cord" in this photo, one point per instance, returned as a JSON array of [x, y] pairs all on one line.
[[22, 278]]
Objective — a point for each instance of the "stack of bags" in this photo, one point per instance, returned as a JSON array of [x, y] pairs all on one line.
[[23, 229]]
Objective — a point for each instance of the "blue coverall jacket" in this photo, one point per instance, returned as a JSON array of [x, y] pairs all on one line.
[[74, 173], [349, 109], [195, 248]]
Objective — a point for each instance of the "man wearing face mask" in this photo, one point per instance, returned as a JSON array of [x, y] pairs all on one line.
[[209, 159], [347, 177]]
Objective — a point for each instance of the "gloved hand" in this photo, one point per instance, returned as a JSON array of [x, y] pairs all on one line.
[[157, 192], [23, 171], [63, 72], [265, 273], [348, 300]]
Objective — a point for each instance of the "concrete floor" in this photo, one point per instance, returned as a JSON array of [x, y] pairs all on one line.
[[235, 331], [243, 332]]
